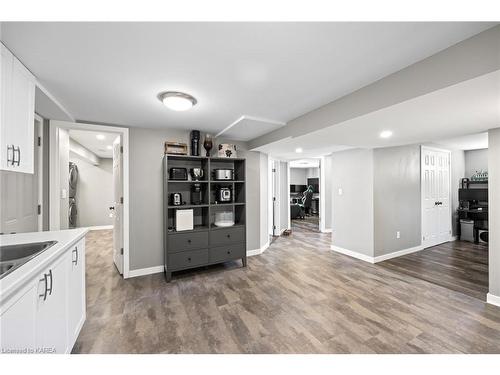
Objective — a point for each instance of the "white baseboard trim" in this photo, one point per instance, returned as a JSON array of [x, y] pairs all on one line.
[[145, 271], [378, 259], [100, 227], [327, 230], [353, 254], [492, 299], [251, 253], [398, 253]]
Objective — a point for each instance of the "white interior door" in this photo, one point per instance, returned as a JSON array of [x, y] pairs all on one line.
[[436, 209], [118, 204]]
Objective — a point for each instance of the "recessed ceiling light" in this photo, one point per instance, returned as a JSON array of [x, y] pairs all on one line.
[[100, 137], [386, 134], [109, 147], [298, 150], [177, 101]]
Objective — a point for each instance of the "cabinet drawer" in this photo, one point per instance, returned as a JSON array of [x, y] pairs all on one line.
[[187, 259], [187, 242], [220, 237], [225, 253]]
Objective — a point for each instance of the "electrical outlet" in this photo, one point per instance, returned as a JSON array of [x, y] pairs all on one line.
[[398, 234]]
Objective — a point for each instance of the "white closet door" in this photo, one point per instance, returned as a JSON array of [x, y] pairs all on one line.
[[436, 214]]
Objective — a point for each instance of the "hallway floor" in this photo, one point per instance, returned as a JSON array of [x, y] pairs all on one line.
[[297, 297]]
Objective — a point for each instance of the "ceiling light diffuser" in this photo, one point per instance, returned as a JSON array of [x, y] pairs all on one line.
[[100, 137], [298, 150], [109, 147], [385, 134], [177, 101]]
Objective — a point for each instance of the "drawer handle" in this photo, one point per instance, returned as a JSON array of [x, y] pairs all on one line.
[[189, 241], [228, 252], [75, 251], [189, 259], [228, 236], [44, 295]]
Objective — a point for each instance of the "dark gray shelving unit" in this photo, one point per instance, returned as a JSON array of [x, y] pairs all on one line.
[[206, 244]]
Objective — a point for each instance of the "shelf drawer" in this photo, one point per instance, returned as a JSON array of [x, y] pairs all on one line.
[[220, 237], [225, 253], [187, 259], [187, 241]]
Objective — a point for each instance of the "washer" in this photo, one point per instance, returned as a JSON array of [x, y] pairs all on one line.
[[73, 179]]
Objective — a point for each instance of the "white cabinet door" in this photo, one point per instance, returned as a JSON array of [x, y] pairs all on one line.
[[17, 324], [17, 113], [6, 151], [51, 324], [76, 292]]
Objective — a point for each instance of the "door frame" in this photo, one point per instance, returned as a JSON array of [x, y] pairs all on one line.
[[54, 173], [422, 148], [39, 149]]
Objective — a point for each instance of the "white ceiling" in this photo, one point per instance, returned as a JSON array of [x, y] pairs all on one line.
[[112, 72], [470, 107], [467, 142], [89, 140], [248, 127]]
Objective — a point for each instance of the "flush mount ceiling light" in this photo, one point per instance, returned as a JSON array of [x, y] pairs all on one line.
[[386, 134], [298, 150], [109, 147], [100, 137], [177, 101]]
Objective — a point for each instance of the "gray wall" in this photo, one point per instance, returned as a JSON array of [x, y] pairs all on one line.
[[494, 210], [94, 193], [312, 173], [475, 160], [298, 176], [352, 226], [396, 184], [146, 195]]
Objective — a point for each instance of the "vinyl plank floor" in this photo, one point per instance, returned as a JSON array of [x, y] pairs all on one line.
[[297, 297]]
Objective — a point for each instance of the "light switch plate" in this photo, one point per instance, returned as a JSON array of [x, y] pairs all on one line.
[[341, 191]]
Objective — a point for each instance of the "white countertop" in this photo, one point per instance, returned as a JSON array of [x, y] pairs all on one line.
[[16, 279]]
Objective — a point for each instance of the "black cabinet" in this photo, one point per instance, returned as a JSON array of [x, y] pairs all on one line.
[[206, 243]]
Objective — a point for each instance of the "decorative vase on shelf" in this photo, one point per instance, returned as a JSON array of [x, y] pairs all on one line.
[[208, 144]]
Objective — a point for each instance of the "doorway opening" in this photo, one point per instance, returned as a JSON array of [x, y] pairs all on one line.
[[304, 188], [89, 186]]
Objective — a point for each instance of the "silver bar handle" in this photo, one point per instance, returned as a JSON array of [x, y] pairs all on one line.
[[51, 282], [18, 161], [75, 251], [44, 295], [10, 154]]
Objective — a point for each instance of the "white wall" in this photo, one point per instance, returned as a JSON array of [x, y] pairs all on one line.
[[64, 177], [312, 173], [352, 226], [94, 192], [328, 184], [475, 160]]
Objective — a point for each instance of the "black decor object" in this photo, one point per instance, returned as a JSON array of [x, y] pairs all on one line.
[[208, 144], [195, 143]]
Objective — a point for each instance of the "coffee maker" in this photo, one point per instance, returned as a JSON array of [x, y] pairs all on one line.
[[196, 194], [195, 143]]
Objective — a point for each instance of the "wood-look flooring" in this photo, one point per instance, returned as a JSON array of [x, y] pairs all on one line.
[[309, 223], [297, 297], [457, 265]]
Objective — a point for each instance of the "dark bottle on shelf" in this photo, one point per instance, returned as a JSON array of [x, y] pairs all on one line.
[[195, 143]]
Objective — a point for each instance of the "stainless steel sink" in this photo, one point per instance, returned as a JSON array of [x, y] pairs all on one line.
[[14, 256]]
